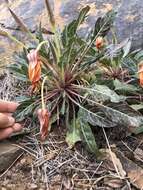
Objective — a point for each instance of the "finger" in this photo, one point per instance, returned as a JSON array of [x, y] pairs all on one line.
[[6, 106], [6, 121], [4, 133], [8, 114], [17, 127]]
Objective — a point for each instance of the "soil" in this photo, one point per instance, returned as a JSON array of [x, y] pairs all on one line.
[[54, 166]]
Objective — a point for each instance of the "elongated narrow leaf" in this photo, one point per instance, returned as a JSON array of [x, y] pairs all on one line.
[[82, 16], [88, 137], [26, 108], [53, 52], [103, 24], [3, 33], [19, 68], [138, 130], [127, 48], [73, 134], [70, 30], [137, 106]]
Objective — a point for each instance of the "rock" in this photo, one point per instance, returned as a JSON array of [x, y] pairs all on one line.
[[3, 188], [128, 23], [33, 186], [129, 19], [8, 154]]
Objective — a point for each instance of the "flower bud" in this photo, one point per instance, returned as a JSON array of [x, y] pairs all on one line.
[[99, 42], [44, 117], [140, 72], [34, 69]]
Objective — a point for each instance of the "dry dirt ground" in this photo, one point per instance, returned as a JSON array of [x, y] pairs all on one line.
[[54, 166]]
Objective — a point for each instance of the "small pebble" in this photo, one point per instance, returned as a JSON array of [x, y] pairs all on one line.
[[33, 186], [3, 188]]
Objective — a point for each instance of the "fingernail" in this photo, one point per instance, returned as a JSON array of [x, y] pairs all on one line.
[[11, 121]]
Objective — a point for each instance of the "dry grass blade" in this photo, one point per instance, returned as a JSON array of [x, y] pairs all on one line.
[[22, 26], [50, 13], [116, 162], [3, 33], [7, 1], [8, 35], [45, 31]]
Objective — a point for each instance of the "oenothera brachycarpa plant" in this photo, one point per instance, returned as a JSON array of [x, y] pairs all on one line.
[[82, 81]]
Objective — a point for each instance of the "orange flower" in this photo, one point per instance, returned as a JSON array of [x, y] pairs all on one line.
[[43, 116], [140, 71], [99, 42], [34, 69]]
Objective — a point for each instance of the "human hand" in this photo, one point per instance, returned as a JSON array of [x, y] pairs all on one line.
[[7, 122]]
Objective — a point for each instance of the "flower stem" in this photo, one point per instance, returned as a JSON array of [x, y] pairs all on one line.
[[41, 44], [42, 93]]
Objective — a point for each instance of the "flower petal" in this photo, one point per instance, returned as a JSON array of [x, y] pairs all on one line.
[[140, 72], [34, 69], [43, 116], [99, 42]]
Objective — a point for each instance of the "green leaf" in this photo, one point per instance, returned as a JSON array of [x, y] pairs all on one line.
[[123, 87], [70, 31], [111, 115], [88, 137], [53, 51], [96, 118], [127, 48], [20, 68], [137, 106], [123, 114], [102, 93], [82, 16], [138, 130], [73, 134], [103, 24], [26, 108]]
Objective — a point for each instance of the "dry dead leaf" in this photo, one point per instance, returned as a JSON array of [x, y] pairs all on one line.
[[66, 182], [111, 157], [138, 154], [134, 172], [114, 183], [27, 160], [51, 155]]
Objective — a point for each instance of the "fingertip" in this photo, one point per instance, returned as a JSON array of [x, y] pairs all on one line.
[[5, 133], [17, 127], [6, 121]]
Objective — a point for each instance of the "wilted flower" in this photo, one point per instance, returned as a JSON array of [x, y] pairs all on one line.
[[34, 69], [43, 116], [99, 42], [140, 71]]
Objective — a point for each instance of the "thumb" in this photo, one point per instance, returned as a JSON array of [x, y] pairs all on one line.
[[6, 121]]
